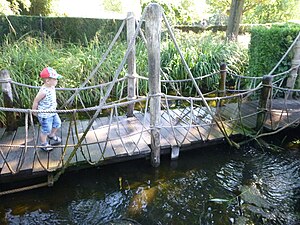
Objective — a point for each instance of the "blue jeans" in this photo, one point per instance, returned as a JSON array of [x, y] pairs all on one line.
[[49, 123]]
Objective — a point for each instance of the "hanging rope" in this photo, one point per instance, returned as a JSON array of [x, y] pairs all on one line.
[[186, 118]]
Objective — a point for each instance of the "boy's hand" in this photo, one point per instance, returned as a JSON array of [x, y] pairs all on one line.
[[34, 113]]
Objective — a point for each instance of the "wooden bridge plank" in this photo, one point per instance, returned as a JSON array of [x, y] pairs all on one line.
[[49, 160], [165, 142], [119, 131], [100, 132], [126, 139], [135, 128], [183, 126], [181, 118], [230, 126], [231, 111], [140, 146], [213, 131], [33, 139], [41, 158], [67, 139], [82, 153], [15, 154], [136, 123], [6, 139], [54, 159], [200, 127], [166, 120], [204, 123], [55, 156], [129, 130], [84, 150], [2, 130], [93, 147], [114, 137]]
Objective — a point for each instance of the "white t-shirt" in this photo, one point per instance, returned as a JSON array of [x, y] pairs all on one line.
[[47, 103]]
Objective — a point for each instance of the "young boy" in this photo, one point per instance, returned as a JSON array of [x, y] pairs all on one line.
[[46, 100]]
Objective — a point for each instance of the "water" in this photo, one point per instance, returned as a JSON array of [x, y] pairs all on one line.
[[209, 186]]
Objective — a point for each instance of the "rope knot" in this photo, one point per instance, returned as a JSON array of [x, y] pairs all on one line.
[[7, 80], [156, 95]]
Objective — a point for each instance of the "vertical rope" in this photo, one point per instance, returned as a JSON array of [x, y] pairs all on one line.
[[70, 100]]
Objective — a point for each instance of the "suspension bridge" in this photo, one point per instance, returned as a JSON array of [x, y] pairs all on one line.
[[163, 123]]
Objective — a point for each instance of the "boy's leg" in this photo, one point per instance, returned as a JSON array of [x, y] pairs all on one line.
[[56, 124], [43, 138], [45, 130], [53, 132]]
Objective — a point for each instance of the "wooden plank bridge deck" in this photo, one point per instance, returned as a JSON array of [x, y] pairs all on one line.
[[129, 138]]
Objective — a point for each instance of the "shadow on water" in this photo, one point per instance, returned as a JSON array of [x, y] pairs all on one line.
[[204, 186]]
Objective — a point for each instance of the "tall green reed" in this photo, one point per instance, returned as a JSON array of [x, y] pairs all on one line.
[[26, 57], [203, 53]]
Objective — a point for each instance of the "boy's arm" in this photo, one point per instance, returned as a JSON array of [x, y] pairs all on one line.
[[37, 99]]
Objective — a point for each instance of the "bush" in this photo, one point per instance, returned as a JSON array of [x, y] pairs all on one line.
[[268, 45], [68, 29]]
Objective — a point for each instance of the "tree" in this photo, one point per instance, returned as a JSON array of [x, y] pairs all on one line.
[[40, 7], [273, 11], [5, 8], [180, 11], [234, 21], [113, 5], [259, 11], [10, 7]]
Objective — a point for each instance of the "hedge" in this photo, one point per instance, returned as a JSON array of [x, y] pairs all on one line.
[[70, 29], [268, 45]]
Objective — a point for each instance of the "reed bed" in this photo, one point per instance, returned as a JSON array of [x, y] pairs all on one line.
[[26, 57]]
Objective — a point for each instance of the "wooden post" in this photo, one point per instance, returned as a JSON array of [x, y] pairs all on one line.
[[11, 122], [290, 83], [222, 82], [264, 100], [153, 35], [131, 61]]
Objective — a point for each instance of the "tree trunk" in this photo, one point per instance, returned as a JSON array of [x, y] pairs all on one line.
[[235, 17]]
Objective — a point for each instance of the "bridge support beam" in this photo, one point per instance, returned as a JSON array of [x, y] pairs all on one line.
[[222, 81], [153, 35], [11, 121], [291, 81], [264, 101], [131, 62]]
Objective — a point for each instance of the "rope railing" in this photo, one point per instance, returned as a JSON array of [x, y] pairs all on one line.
[[182, 113], [286, 89], [179, 142], [89, 109], [190, 79]]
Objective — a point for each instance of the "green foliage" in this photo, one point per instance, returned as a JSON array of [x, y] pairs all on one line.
[[40, 7], [5, 8], [25, 58], [203, 53], [10, 7], [268, 45], [258, 11], [273, 11], [178, 11], [113, 5], [61, 28]]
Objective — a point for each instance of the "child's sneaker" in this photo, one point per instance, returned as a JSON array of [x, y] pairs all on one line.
[[54, 140], [46, 147]]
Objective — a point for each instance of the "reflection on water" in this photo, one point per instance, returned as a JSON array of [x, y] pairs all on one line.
[[209, 186]]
